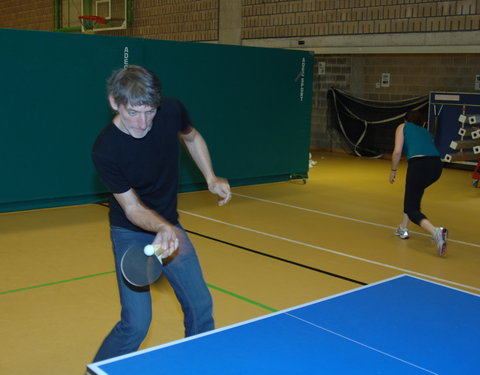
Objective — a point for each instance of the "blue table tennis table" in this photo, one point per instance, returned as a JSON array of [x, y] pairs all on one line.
[[403, 325]]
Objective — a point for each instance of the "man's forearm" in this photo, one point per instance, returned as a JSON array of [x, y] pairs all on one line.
[[197, 147], [146, 219]]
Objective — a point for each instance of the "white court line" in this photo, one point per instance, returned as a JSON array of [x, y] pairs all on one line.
[[404, 270], [347, 218]]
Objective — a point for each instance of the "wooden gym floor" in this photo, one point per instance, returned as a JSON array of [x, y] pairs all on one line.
[[58, 296]]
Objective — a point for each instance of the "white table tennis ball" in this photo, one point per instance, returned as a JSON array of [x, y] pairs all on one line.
[[149, 250]]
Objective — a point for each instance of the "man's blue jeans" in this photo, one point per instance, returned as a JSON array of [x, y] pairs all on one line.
[[184, 275]]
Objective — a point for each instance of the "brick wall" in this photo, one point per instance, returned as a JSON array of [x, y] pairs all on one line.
[[411, 75], [184, 20], [197, 20], [307, 18], [338, 74], [28, 15]]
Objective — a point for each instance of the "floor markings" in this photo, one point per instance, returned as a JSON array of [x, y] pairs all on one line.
[[346, 218], [336, 252]]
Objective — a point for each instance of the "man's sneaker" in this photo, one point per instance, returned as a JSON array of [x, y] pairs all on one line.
[[402, 233], [440, 239]]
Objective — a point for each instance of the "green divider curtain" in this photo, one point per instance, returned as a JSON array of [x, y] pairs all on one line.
[[252, 105]]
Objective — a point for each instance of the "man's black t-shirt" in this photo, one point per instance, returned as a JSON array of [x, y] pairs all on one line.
[[149, 165]]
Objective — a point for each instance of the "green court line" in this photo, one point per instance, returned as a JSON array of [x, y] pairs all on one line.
[[110, 272], [55, 283], [243, 298]]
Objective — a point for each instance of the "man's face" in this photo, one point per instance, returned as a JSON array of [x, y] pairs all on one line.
[[134, 120]]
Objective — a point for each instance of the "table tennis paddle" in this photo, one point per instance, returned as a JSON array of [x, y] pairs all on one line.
[[142, 265]]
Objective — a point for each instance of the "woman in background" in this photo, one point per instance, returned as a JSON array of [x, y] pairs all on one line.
[[424, 168]]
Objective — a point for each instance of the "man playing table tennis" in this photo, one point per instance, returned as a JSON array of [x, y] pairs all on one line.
[[137, 157]]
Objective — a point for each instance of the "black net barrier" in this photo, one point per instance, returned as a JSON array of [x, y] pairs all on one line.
[[369, 126]]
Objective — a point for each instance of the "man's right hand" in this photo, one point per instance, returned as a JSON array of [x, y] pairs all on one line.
[[147, 219], [167, 239]]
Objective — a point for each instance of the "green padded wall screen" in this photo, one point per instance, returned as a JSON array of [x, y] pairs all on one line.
[[252, 105]]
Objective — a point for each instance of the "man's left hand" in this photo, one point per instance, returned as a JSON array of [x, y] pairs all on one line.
[[220, 187]]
